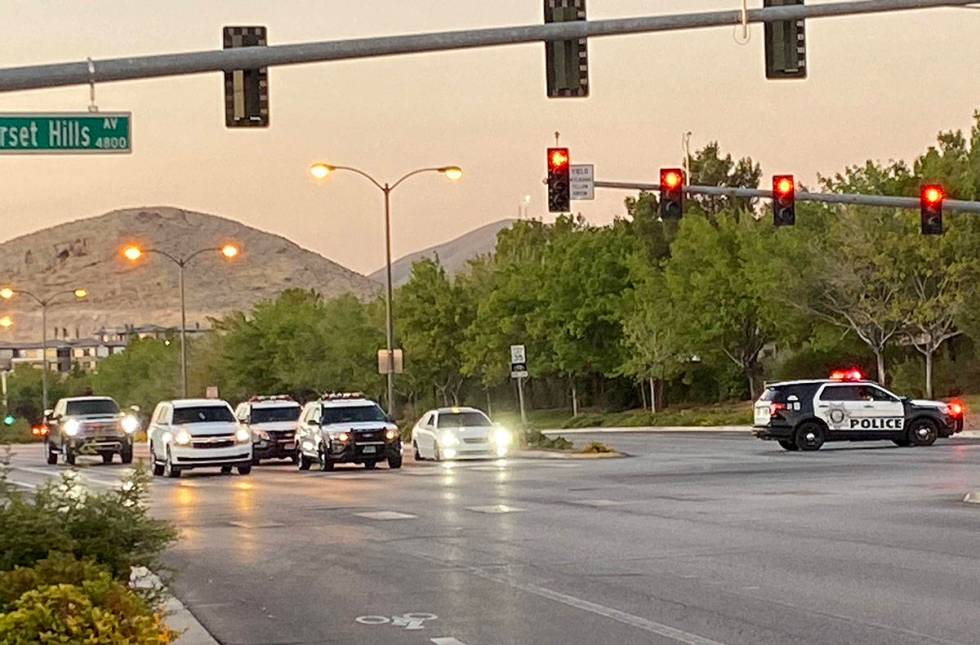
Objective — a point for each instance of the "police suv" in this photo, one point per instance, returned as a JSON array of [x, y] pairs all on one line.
[[347, 428], [802, 415], [272, 423]]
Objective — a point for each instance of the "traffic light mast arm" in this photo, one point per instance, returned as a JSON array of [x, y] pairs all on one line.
[[121, 69], [826, 198]]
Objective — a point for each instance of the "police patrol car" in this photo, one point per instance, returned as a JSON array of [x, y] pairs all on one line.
[[802, 415], [347, 428]]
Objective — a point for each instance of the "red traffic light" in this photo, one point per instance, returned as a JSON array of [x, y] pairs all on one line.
[[932, 194], [671, 178], [783, 185], [558, 157]]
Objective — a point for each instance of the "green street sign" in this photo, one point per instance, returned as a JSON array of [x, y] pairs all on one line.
[[66, 133]]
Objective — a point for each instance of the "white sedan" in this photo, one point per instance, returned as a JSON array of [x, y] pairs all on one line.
[[459, 433]]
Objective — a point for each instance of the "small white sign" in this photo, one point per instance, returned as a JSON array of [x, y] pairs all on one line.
[[518, 354], [582, 181], [211, 392]]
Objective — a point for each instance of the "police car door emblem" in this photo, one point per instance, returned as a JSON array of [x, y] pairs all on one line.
[[837, 414]]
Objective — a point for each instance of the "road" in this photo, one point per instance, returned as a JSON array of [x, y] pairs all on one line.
[[694, 539]]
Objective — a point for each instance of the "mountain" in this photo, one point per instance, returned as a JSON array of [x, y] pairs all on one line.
[[453, 254], [86, 254]]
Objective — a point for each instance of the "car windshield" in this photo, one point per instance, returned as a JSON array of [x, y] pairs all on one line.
[[202, 414], [274, 415], [463, 420], [92, 406], [352, 414]]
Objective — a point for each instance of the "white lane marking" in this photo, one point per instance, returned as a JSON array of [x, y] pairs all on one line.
[[52, 473], [446, 640], [418, 472], [620, 616], [24, 484], [495, 508], [408, 620], [598, 503], [386, 515]]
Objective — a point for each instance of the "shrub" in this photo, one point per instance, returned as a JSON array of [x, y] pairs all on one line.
[[595, 447], [535, 439], [112, 529], [97, 609]]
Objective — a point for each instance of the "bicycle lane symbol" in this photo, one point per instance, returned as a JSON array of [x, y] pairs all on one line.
[[409, 620]]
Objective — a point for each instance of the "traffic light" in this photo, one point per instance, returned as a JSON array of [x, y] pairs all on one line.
[[931, 203], [246, 90], [566, 61], [783, 200], [9, 420], [559, 193], [785, 45], [671, 193]]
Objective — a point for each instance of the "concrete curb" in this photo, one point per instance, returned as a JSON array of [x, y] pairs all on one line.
[[972, 498], [638, 429], [178, 617]]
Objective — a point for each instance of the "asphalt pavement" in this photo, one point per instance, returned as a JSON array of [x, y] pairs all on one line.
[[696, 539]]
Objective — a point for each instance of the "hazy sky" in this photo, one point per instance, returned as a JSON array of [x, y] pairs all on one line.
[[879, 87]]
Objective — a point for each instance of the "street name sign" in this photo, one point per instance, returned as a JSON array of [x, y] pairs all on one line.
[[66, 133], [582, 181]]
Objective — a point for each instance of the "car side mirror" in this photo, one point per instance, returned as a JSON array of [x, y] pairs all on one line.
[[49, 414]]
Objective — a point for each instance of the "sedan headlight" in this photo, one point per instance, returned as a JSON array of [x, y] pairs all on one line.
[[342, 437], [130, 424], [242, 435], [391, 434], [503, 437], [72, 427], [183, 437], [263, 435], [448, 439]]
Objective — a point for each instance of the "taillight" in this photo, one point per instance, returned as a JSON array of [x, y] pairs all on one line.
[[776, 408]]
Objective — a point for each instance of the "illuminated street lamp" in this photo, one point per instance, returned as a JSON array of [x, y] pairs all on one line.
[[7, 293], [134, 253], [6, 322], [322, 171]]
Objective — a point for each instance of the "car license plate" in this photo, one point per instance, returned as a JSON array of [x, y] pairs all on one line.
[[370, 450], [289, 445]]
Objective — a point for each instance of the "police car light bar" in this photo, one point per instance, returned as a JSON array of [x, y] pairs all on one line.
[[330, 396], [853, 374], [277, 397]]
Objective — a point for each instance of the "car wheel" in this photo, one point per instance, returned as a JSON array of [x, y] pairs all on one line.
[[106, 457], [788, 445], [923, 432], [294, 458], [902, 441], [169, 470], [395, 461], [157, 466], [810, 436], [69, 455], [370, 465], [126, 454], [244, 470], [52, 456], [325, 464], [302, 461], [418, 455], [226, 470]]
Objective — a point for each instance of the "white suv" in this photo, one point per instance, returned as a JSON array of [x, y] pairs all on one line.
[[347, 428], [195, 433]]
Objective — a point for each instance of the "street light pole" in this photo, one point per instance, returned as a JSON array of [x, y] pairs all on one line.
[[8, 293], [183, 331], [322, 171], [134, 253], [389, 316]]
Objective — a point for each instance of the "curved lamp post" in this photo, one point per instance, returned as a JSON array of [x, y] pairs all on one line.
[[133, 253], [324, 170], [43, 301]]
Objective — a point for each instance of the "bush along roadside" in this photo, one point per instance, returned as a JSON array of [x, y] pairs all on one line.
[[535, 440], [66, 556]]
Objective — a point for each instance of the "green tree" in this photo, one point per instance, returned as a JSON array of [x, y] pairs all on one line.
[[147, 372], [433, 315], [710, 168]]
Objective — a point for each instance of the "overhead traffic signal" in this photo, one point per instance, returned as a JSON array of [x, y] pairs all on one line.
[[783, 200], [559, 191], [246, 90], [671, 193], [931, 204], [566, 61], [785, 45]]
